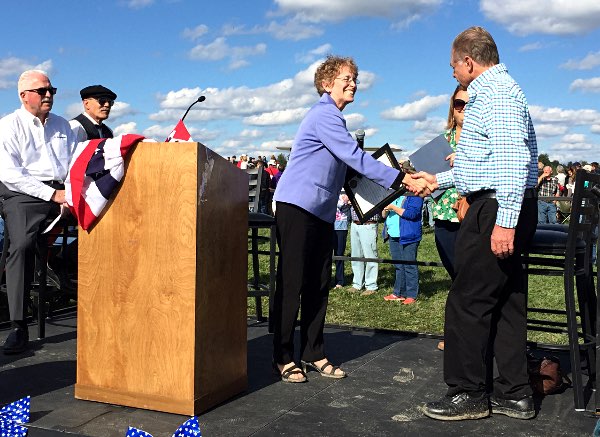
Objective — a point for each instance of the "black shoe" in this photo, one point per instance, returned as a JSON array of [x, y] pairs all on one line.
[[458, 407], [17, 341], [517, 409]]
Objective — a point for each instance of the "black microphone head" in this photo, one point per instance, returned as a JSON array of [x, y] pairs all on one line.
[[201, 99], [360, 134]]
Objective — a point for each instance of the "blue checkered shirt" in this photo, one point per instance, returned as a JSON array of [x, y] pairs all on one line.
[[497, 148]]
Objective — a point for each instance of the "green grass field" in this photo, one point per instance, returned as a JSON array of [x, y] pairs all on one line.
[[427, 314]]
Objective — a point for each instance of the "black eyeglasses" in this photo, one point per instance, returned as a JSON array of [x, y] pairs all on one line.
[[42, 91], [103, 101], [459, 104]]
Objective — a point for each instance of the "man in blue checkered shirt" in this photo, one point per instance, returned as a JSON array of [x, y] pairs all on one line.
[[496, 169]]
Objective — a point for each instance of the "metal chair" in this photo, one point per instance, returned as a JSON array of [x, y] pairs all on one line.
[[569, 254], [256, 221]]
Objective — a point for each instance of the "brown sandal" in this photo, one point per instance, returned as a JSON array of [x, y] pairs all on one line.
[[285, 375], [329, 374]]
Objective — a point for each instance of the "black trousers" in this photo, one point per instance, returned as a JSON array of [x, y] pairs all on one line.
[[445, 240], [486, 310], [339, 247], [23, 216], [303, 275]]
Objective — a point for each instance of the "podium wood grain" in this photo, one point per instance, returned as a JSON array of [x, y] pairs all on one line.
[[162, 284]]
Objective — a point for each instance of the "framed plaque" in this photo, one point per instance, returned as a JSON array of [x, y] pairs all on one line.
[[368, 197]]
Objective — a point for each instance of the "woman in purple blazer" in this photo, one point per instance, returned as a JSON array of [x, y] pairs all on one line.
[[306, 198]]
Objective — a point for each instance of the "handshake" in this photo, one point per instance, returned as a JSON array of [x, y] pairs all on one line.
[[421, 183]]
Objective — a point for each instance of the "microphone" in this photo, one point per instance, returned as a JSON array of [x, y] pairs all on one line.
[[200, 99], [360, 138]]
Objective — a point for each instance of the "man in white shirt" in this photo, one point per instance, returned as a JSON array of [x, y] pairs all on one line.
[[35, 150], [97, 102]]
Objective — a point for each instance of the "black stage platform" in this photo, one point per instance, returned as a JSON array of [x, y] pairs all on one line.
[[389, 376]]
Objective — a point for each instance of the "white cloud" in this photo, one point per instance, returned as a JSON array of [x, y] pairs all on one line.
[[416, 110], [275, 146], [12, 67], [431, 125], [531, 47], [251, 133], [316, 11], [73, 110], [369, 132], [120, 109], [540, 114], [139, 4], [314, 54], [590, 61], [160, 132], [213, 51], [157, 132], [574, 147], [595, 128], [286, 116], [574, 138], [277, 103], [125, 128], [294, 30], [219, 49], [591, 85], [424, 138], [233, 145], [194, 33], [354, 121], [555, 17], [546, 130]]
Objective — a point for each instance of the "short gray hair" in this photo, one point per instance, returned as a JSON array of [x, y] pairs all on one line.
[[25, 79]]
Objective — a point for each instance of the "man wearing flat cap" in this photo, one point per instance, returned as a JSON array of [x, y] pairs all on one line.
[[89, 125]]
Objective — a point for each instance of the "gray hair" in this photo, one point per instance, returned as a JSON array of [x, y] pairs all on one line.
[[26, 78]]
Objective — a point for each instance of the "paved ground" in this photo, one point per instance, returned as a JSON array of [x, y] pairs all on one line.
[[390, 375]]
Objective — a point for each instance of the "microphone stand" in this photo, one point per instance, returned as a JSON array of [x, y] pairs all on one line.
[[200, 99]]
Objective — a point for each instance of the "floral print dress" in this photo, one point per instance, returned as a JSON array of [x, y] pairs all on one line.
[[442, 209]]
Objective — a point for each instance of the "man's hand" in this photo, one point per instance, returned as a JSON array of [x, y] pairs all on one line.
[[59, 197], [502, 241], [451, 159], [422, 184]]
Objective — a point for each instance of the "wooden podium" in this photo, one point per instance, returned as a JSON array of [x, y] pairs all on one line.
[[163, 282]]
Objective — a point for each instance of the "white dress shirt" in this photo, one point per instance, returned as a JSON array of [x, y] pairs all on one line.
[[31, 152]]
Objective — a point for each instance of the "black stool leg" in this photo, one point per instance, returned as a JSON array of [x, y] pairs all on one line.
[[256, 274], [42, 260], [272, 273]]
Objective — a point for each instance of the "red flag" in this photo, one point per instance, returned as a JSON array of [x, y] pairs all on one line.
[[179, 134]]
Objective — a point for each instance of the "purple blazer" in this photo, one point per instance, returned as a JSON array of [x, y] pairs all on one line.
[[322, 150]]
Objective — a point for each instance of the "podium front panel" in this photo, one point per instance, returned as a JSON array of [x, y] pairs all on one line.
[[146, 285]]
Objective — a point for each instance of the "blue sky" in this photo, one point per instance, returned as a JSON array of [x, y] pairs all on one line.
[[254, 61]]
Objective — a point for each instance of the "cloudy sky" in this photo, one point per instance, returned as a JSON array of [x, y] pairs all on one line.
[[254, 61]]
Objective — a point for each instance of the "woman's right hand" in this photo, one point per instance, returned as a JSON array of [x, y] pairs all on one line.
[[451, 159]]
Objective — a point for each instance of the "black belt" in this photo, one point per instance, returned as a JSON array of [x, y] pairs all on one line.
[[529, 193], [57, 185], [370, 222]]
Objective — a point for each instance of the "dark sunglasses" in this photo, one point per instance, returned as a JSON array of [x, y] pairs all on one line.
[[103, 101], [42, 91], [459, 104]]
